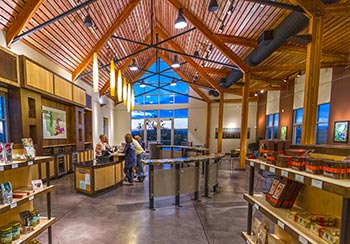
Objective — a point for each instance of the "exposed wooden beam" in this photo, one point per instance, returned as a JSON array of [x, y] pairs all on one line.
[[21, 19], [239, 100], [238, 40], [99, 45], [278, 67], [125, 65], [220, 123], [184, 77], [190, 61], [337, 9], [311, 7], [266, 79], [221, 46], [244, 120]]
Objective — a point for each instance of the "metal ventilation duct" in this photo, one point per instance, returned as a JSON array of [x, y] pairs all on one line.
[[290, 26]]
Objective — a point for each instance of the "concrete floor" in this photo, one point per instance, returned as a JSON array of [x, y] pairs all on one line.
[[122, 215]]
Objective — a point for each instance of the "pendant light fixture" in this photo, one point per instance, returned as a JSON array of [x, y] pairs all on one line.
[[133, 65], [125, 91], [180, 22], [176, 63], [142, 85], [173, 82], [213, 6], [95, 72], [120, 86], [112, 79], [132, 100], [128, 103]]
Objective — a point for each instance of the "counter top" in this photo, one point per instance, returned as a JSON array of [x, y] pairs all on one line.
[[183, 160], [95, 164]]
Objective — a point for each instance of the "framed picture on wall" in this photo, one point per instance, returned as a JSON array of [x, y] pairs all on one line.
[[54, 123], [283, 133], [341, 129]]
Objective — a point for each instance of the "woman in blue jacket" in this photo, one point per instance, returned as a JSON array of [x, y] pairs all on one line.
[[130, 158]]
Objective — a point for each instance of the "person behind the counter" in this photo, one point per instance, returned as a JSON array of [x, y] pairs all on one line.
[[140, 152], [130, 158]]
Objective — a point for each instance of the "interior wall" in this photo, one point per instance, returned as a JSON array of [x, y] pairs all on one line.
[[273, 102], [231, 119], [286, 110], [261, 116], [340, 100]]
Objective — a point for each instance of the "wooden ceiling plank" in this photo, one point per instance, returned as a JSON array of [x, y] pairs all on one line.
[[125, 64], [225, 50], [184, 77], [123, 16], [337, 9], [21, 20], [311, 7], [238, 40], [190, 61]]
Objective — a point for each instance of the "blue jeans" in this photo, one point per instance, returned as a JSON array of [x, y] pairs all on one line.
[[139, 165], [129, 174]]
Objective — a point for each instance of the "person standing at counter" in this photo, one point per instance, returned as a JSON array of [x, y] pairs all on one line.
[[140, 152], [130, 158]]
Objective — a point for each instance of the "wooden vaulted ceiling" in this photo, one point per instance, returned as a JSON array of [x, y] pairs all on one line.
[[70, 44]]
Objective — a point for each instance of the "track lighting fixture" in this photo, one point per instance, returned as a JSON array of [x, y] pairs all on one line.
[[88, 21], [262, 91], [133, 65], [299, 74], [176, 63], [255, 94], [180, 22], [142, 85], [285, 80], [196, 54], [221, 28], [213, 6], [231, 8]]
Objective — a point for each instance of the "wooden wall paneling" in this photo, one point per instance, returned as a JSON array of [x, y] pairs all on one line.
[[286, 110], [79, 128], [63, 88], [15, 115], [9, 63], [261, 118], [88, 126], [79, 95], [31, 117], [38, 77]]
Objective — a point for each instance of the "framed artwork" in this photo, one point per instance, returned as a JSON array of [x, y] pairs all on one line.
[[283, 133], [231, 133], [54, 123], [341, 131]]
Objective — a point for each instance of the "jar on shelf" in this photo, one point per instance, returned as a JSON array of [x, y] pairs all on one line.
[[6, 234], [16, 230]]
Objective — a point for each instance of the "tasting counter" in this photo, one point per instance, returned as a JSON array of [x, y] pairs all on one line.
[[93, 177]]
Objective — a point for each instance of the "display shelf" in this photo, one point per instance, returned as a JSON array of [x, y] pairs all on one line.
[[31, 197], [248, 238], [15, 164], [337, 186], [44, 224], [279, 217]]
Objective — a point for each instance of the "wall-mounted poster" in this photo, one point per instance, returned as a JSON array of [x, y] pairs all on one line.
[[283, 133], [341, 131], [231, 133], [54, 123]]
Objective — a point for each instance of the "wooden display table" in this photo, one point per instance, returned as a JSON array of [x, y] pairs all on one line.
[[92, 177]]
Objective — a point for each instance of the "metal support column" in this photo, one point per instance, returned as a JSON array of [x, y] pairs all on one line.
[[151, 186], [206, 178], [250, 206], [177, 185], [48, 200], [345, 222], [196, 193]]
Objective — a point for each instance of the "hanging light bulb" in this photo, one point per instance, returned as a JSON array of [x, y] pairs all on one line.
[[133, 65], [180, 22], [142, 85], [95, 72], [132, 100], [128, 104], [173, 82], [120, 86], [125, 91], [176, 63], [112, 79], [213, 6]]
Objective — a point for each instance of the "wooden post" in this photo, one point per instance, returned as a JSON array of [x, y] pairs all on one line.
[[220, 123], [207, 139], [244, 119], [312, 77]]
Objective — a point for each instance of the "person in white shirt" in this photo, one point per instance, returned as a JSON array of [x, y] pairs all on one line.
[[140, 153]]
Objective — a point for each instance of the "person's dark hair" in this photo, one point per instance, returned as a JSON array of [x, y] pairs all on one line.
[[128, 138]]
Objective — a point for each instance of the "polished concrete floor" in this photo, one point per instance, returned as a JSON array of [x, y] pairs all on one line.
[[122, 215]]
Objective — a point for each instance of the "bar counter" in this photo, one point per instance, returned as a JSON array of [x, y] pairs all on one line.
[[92, 177]]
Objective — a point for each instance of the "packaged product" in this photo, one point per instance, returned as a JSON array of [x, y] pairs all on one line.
[[8, 152], [256, 229], [16, 230], [284, 161], [29, 148], [26, 225], [298, 163], [314, 166], [273, 239], [329, 234], [2, 159], [6, 234], [37, 184], [334, 169], [6, 193]]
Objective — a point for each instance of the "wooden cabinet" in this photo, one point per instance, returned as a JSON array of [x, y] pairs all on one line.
[[9, 64], [19, 174], [79, 95], [319, 195], [37, 77], [63, 88]]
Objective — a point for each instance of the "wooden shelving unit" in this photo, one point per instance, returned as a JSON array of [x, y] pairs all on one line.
[[339, 187], [19, 174]]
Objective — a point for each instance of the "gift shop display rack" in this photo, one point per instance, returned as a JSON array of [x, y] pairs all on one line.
[[20, 176]]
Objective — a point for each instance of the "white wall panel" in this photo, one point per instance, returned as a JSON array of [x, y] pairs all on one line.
[[273, 102]]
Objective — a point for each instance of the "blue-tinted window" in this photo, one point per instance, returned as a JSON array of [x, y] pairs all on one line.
[[181, 113], [298, 135], [323, 113], [3, 119], [322, 123], [321, 133], [151, 114], [137, 114], [298, 118], [275, 119], [272, 126], [151, 99], [166, 113], [270, 120]]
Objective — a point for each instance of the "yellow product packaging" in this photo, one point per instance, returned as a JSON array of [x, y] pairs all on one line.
[[329, 234]]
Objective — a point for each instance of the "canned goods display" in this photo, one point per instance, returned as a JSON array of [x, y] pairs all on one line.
[[6, 234]]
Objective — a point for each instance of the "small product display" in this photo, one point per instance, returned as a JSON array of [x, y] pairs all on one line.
[[6, 193], [298, 163], [314, 166], [2, 158], [37, 184], [7, 150], [284, 161], [329, 234], [16, 230], [29, 148], [335, 169], [6, 234], [26, 225]]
